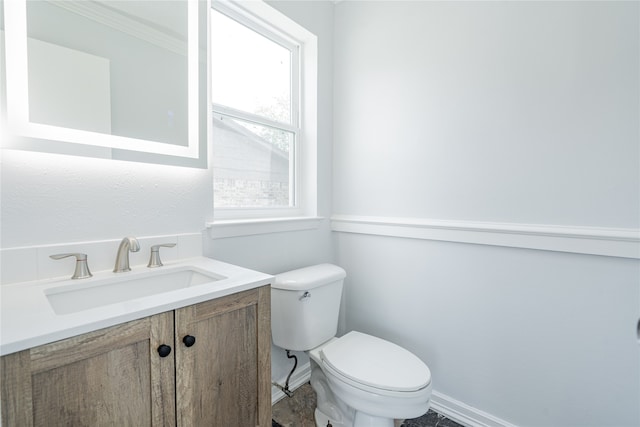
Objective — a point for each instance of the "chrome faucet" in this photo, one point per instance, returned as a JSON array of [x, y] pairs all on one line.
[[122, 258]]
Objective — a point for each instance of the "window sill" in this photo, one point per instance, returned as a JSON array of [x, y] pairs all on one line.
[[221, 229]]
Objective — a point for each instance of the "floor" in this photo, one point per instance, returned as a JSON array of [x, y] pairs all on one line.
[[297, 411]]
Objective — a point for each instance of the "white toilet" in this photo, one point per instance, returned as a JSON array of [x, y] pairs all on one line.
[[359, 380]]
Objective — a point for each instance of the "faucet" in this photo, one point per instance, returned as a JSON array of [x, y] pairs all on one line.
[[122, 258]]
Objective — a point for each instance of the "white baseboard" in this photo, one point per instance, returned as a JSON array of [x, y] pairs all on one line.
[[463, 413], [300, 376]]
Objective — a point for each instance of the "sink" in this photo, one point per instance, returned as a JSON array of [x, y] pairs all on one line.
[[97, 293]]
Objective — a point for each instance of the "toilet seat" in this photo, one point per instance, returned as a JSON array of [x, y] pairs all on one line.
[[375, 365]]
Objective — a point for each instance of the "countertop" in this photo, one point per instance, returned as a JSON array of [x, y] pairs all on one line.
[[28, 319]]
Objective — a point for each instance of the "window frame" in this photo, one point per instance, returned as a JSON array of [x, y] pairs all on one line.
[[300, 170]]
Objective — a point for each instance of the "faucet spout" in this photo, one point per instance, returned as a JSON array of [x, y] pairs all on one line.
[[128, 244]]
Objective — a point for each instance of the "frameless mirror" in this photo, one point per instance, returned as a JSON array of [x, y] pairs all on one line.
[[109, 74]]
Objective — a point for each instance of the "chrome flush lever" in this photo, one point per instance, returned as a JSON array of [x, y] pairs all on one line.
[[82, 268], [154, 260], [304, 296]]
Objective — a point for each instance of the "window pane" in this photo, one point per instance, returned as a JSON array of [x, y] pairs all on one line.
[[251, 165], [249, 71]]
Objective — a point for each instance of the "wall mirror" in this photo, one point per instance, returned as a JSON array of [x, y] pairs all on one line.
[[120, 76]]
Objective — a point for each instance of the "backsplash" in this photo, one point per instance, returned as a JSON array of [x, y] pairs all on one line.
[[33, 263]]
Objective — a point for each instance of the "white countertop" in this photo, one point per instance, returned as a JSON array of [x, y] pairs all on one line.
[[27, 319]]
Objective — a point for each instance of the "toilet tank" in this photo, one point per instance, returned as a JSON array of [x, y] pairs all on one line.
[[305, 304]]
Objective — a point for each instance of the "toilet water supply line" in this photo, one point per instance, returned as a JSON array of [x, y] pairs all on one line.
[[285, 389]]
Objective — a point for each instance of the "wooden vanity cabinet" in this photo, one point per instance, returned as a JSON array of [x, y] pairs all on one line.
[[217, 373], [106, 377]]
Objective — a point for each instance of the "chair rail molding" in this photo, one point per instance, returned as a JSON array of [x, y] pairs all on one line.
[[613, 242]]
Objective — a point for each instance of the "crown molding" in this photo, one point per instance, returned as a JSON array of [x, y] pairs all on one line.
[[118, 21]]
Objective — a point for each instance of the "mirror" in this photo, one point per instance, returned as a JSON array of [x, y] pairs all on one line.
[[110, 74]]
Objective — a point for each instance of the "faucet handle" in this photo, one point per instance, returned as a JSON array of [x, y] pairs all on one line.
[[154, 260], [82, 268]]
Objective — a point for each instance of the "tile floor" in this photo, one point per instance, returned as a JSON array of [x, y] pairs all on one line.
[[297, 411]]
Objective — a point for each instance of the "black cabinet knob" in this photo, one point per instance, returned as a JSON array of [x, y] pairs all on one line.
[[189, 340], [164, 350]]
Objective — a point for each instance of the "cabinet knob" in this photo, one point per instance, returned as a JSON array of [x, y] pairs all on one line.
[[164, 350], [189, 340]]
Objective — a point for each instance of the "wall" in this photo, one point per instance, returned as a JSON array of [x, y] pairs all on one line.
[[50, 198], [509, 125]]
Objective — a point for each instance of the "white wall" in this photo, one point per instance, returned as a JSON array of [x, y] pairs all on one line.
[[534, 338], [513, 113], [493, 111], [50, 198]]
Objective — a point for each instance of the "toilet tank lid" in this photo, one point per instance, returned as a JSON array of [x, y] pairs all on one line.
[[309, 277]]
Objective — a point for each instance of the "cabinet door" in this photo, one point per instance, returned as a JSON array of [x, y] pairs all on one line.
[[224, 378], [110, 377]]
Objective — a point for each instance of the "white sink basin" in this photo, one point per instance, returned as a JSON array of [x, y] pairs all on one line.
[[85, 295]]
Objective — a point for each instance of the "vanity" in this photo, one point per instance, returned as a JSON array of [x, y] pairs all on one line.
[[192, 354]]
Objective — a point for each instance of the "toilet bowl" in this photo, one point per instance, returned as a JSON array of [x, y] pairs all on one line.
[[360, 380], [381, 381]]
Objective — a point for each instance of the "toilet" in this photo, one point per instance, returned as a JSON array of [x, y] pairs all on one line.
[[359, 380]]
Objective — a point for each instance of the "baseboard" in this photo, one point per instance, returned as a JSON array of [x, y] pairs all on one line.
[[300, 376], [463, 413]]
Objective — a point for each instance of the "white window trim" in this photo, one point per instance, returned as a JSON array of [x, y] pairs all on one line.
[[222, 229], [258, 221]]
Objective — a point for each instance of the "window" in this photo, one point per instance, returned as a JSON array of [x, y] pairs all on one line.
[[261, 163]]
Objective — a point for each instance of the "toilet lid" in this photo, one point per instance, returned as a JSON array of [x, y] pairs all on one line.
[[376, 363]]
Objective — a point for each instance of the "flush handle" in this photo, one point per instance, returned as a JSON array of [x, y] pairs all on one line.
[[304, 296]]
